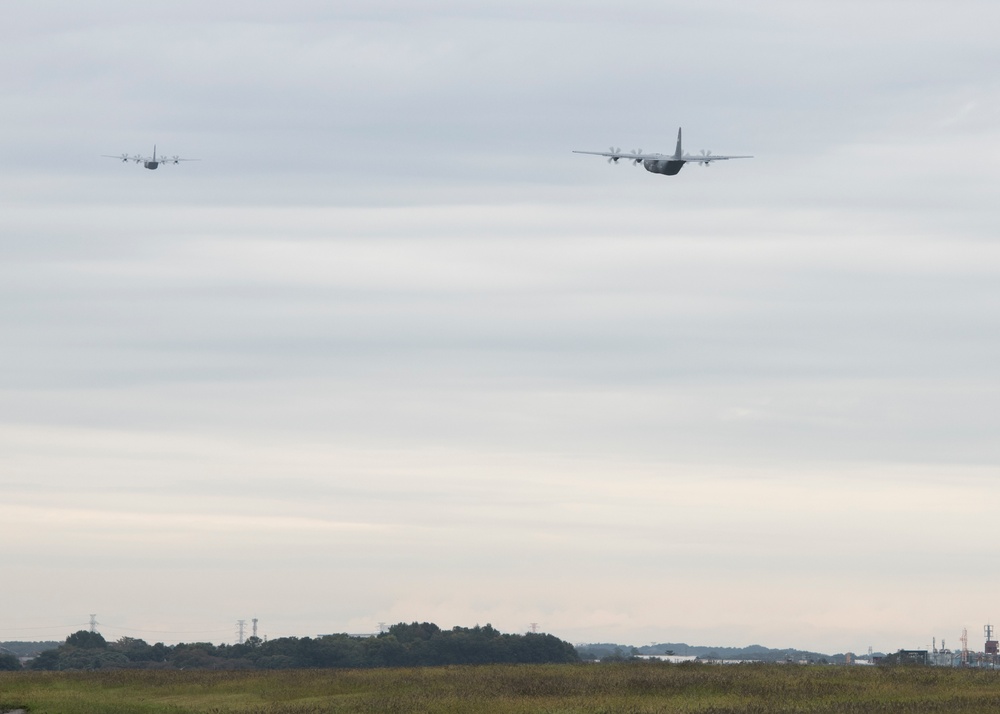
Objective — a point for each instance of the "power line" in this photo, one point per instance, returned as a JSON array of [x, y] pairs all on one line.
[[165, 632], [43, 627]]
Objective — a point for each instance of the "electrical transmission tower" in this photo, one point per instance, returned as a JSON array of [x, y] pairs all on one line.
[[240, 624], [93, 622]]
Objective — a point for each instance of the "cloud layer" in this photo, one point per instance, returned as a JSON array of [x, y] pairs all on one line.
[[390, 351]]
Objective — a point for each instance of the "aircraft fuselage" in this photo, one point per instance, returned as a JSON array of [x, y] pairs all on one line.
[[663, 166], [151, 164]]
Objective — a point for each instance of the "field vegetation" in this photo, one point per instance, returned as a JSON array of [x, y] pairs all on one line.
[[626, 688]]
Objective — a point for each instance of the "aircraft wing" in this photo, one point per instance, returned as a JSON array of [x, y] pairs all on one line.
[[143, 159], [694, 158], [706, 158], [126, 157], [631, 156]]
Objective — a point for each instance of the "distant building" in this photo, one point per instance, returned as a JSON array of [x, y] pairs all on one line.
[[910, 657]]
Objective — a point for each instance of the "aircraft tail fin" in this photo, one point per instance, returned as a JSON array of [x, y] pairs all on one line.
[[154, 152], [678, 152]]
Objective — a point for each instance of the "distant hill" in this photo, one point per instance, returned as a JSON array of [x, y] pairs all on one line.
[[27, 649], [752, 652], [757, 652]]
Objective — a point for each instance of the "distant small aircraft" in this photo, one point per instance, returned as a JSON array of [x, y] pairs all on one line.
[[666, 164], [149, 162]]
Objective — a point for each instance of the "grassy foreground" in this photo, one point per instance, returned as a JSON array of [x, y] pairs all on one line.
[[633, 688]]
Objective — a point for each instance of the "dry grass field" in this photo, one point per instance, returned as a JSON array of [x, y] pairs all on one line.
[[630, 688]]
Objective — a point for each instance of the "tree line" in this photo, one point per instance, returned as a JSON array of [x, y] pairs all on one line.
[[417, 644]]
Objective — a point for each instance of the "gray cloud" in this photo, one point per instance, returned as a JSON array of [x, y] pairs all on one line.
[[389, 324]]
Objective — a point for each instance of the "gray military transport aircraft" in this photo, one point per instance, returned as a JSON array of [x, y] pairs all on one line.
[[666, 164], [147, 161]]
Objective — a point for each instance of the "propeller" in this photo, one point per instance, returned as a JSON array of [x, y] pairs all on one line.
[[124, 158], [176, 159], [614, 159], [137, 159], [706, 154], [637, 153]]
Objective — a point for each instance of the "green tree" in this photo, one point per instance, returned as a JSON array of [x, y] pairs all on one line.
[[414, 632], [384, 651], [135, 650], [86, 640], [93, 658], [47, 660], [195, 655]]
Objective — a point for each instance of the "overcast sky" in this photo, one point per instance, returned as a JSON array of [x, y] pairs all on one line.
[[390, 352]]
